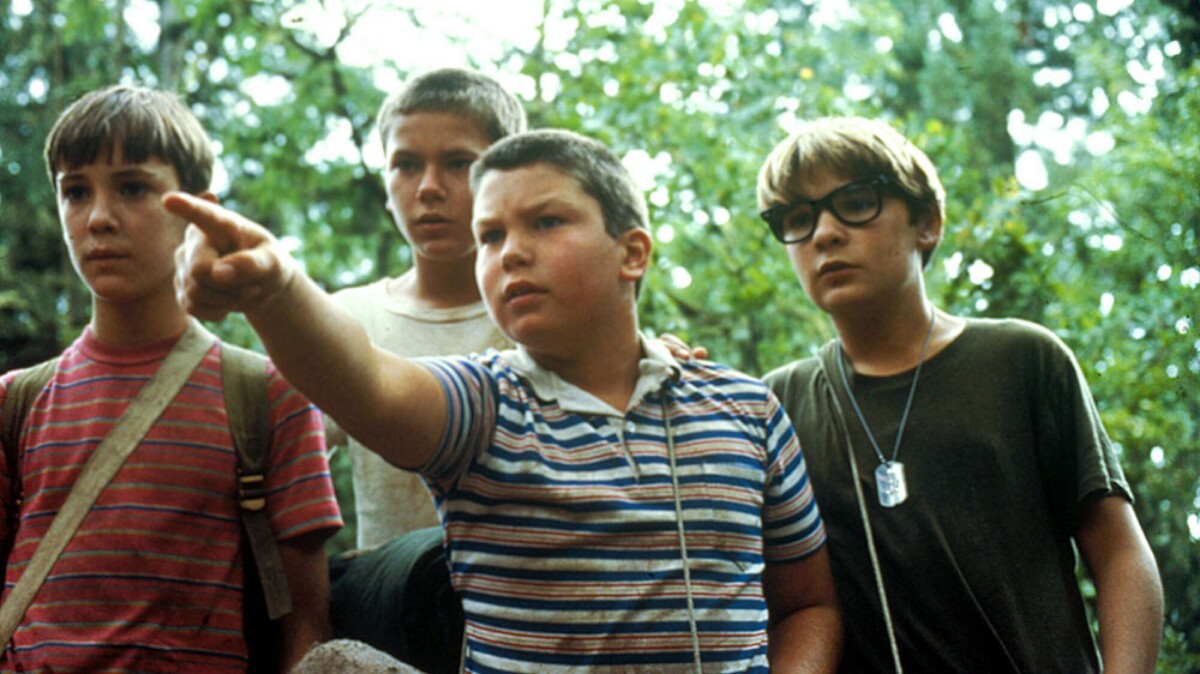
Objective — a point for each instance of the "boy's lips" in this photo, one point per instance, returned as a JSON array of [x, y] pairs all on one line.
[[433, 219], [518, 289], [833, 268], [104, 254]]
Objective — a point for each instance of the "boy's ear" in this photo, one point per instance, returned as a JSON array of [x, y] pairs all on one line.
[[929, 230], [636, 244]]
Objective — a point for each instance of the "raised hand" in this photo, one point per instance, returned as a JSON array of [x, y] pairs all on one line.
[[226, 262]]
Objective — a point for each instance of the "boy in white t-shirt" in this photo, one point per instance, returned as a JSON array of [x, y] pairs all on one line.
[[432, 130]]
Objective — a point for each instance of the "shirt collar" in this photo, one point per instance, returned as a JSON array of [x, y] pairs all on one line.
[[655, 367]]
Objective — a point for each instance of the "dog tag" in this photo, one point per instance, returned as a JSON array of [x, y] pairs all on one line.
[[889, 482]]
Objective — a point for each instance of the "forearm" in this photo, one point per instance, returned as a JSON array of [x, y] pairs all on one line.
[[306, 568], [300, 636], [228, 263], [318, 347], [808, 641], [1129, 611], [1129, 600], [805, 633], [326, 354]]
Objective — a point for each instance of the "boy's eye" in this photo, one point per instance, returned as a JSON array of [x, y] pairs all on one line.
[[798, 219], [855, 201], [491, 236], [460, 163], [406, 165], [74, 193], [134, 189], [548, 222]]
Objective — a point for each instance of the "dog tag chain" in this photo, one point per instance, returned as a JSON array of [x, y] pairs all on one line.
[[890, 483]]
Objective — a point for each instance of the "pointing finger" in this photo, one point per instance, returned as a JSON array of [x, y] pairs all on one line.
[[226, 230]]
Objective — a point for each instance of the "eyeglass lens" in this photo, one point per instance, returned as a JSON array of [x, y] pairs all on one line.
[[853, 204]]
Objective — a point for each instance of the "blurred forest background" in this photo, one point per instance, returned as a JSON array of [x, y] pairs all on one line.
[[1067, 134]]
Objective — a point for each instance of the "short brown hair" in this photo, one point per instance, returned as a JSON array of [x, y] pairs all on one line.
[[599, 172], [145, 122]]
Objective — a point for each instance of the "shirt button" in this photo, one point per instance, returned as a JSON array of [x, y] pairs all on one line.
[[630, 427]]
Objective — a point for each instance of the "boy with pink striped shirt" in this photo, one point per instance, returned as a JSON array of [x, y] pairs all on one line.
[[153, 580]]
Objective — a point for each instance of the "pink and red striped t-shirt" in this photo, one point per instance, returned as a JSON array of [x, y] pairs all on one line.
[[152, 581]]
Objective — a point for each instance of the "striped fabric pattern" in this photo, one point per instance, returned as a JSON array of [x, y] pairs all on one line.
[[562, 531], [152, 582]]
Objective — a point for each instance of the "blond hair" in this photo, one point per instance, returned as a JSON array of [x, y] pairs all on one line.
[[855, 148]]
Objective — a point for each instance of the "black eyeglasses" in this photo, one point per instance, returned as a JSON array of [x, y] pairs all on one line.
[[855, 204]]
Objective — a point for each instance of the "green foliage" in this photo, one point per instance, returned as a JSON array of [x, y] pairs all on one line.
[[695, 94]]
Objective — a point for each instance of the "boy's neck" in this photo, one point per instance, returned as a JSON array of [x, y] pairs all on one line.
[[137, 323], [608, 370], [890, 341], [437, 285]]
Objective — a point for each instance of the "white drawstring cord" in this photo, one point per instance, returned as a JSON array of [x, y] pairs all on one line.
[[687, 574]]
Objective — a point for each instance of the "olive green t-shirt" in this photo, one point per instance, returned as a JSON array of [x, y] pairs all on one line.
[[1002, 447]]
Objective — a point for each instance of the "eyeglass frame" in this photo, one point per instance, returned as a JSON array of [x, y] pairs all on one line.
[[773, 215]]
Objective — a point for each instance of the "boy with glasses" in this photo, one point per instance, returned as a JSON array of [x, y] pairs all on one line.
[[958, 462]]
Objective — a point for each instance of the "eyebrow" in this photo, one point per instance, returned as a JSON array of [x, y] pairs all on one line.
[[545, 202], [122, 174], [447, 152]]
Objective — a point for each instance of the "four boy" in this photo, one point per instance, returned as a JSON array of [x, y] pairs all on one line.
[[604, 504]]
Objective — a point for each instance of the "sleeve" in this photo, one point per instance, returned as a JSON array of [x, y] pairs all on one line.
[[5, 478], [1076, 451], [300, 494], [792, 526], [471, 390]]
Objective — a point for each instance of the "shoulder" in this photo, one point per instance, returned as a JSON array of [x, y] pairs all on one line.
[[795, 372], [244, 364], [724, 385], [1004, 336], [716, 374], [248, 376], [1008, 328], [488, 368], [38, 373]]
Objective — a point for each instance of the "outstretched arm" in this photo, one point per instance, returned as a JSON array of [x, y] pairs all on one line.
[[1129, 600], [228, 263], [805, 622]]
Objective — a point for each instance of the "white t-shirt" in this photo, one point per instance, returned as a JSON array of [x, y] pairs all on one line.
[[391, 501]]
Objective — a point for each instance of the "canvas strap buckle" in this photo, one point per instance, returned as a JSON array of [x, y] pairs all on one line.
[[252, 493]]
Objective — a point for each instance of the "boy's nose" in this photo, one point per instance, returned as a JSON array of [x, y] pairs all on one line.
[[431, 185], [101, 217], [827, 229], [515, 251]]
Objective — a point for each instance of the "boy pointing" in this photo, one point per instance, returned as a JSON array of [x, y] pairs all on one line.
[[605, 507]]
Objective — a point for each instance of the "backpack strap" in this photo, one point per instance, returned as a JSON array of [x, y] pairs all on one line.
[[22, 391], [244, 378], [101, 466]]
